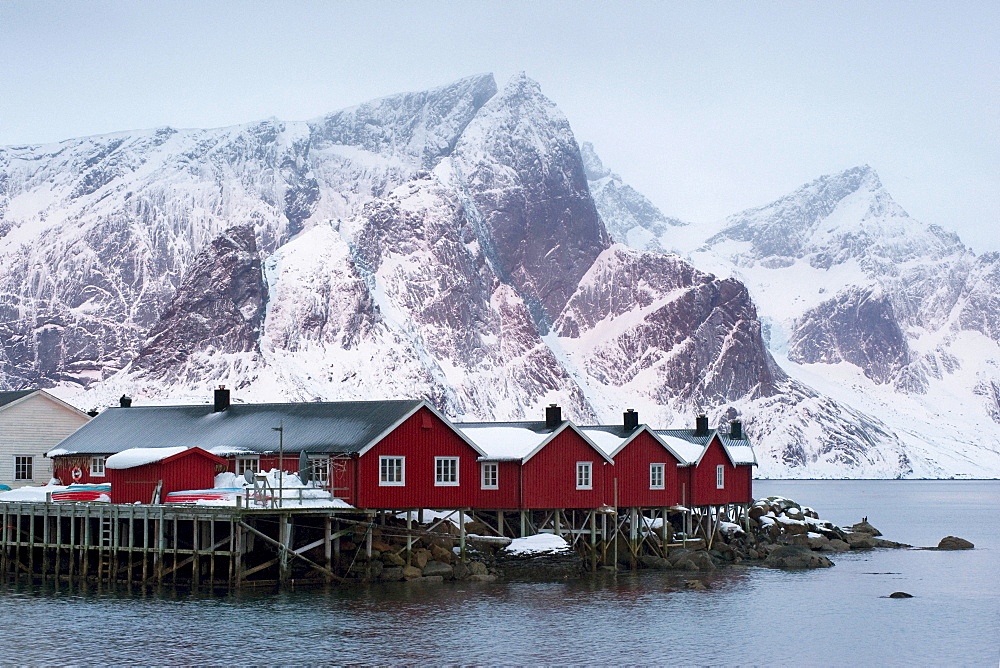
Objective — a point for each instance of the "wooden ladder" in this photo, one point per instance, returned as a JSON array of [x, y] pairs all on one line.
[[106, 544]]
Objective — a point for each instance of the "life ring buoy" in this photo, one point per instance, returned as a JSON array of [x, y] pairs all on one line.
[[77, 474]]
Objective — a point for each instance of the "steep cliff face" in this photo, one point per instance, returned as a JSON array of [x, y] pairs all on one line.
[[217, 311], [857, 326], [520, 168]]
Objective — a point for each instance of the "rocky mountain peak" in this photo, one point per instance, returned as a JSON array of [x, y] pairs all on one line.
[[421, 127], [592, 163], [520, 168]]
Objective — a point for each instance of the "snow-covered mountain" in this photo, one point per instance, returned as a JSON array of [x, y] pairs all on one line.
[[445, 244], [891, 317]]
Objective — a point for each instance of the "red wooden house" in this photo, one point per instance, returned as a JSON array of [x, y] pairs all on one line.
[[148, 475], [372, 454], [647, 471], [539, 465], [721, 473]]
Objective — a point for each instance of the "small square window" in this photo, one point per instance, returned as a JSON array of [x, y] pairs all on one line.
[[656, 476], [720, 476], [490, 471], [583, 475], [445, 471], [319, 471], [392, 471], [244, 464], [23, 468], [97, 467]]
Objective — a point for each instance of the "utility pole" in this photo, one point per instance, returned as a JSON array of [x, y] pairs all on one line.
[[281, 462]]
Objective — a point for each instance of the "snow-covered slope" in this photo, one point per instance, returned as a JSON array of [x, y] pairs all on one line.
[[877, 311]]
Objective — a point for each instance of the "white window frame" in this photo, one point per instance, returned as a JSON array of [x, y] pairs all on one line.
[[443, 477], [489, 475], [720, 476], [657, 472], [97, 466], [243, 464], [585, 475], [18, 466], [397, 471], [319, 469]]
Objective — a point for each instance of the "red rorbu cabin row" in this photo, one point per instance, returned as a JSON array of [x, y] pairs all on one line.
[[405, 454]]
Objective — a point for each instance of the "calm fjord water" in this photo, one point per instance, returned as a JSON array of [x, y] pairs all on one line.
[[754, 616]]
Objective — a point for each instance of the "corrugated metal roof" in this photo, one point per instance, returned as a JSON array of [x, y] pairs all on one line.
[[740, 450], [11, 397], [334, 427]]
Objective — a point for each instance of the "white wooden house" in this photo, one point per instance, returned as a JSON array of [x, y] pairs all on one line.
[[32, 422]]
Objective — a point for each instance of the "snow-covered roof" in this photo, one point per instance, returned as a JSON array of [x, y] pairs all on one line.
[[505, 440], [687, 450], [517, 441], [739, 450], [133, 457], [608, 439]]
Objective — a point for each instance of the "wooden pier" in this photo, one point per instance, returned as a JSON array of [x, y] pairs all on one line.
[[232, 547], [165, 544]]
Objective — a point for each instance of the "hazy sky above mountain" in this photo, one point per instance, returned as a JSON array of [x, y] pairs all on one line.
[[707, 108]]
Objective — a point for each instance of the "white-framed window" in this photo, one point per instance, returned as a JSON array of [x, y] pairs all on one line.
[[490, 475], [244, 464], [656, 476], [319, 470], [584, 479], [720, 476], [97, 467], [24, 470], [445, 471], [391, 471]]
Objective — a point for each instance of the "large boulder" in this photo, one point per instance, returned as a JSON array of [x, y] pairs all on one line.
[[439, 553], [864, 527], [438, 568], [392, 574], [954, 543], [420, 557], [412, 572], [694, 561], [836, 545], [860, 541], [795, 557], [649, 561]]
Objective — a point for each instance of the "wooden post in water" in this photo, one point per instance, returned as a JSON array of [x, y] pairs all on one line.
[[327, 544], [461, 533]]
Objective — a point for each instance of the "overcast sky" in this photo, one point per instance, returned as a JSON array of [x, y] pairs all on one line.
[[706, 108]]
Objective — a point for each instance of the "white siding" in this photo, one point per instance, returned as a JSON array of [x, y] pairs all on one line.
[[32, 427]]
